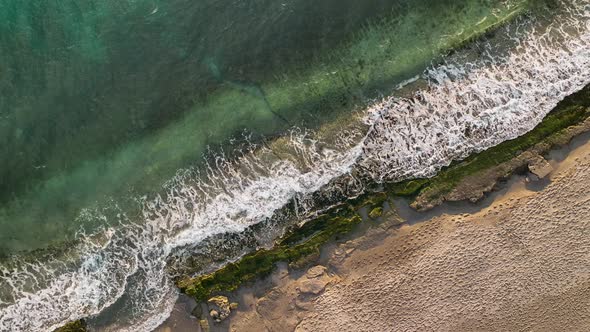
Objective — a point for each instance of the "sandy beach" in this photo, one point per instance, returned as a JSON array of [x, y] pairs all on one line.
[[518, 261]]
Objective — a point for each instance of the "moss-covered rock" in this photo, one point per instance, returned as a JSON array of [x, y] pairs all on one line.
[[376, 213], [292, 249], [502, 160]]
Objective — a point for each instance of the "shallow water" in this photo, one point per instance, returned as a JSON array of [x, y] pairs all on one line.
[[124, 133], [118, 97]]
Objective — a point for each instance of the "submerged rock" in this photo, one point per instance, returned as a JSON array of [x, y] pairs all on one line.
[[376, 213]]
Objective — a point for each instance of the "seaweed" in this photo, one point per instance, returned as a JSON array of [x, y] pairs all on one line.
[[262, 262]]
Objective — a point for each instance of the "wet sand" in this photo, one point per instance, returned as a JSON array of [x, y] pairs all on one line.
[[517, 261]]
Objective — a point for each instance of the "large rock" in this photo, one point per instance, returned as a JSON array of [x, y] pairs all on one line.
[[313, 286], [316, 271], [219, 308], [540, 167], [315, 282]]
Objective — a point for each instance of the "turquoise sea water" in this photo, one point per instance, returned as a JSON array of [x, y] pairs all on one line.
[[105, 100], [135, 131]]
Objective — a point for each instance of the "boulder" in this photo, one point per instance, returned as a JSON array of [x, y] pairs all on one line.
[[313, 286], [316, 271], [540, 167], [376, 213], [219, 308]]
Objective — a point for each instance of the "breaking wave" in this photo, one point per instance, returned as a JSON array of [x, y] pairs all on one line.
[[468, 106], [472, 106]]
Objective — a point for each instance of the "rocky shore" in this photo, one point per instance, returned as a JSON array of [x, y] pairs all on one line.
[[354, 282], [519, 263], [468, 179], [284, 282]]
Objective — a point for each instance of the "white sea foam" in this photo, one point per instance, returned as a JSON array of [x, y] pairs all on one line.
[[474, 106], [131, 258], [466, 108]]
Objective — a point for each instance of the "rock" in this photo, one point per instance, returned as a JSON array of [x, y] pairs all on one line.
[[338, 256], [376, 213], [313, 286], [269, 306], [204, 325], [214, 314], [219, 301], [219, 308], [540, 167], [305, 261], [76, 326], [303, 305], [316, 271], [197, 311]]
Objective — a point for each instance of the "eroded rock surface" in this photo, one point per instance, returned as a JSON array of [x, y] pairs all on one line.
[[540, 167], [473, 188]]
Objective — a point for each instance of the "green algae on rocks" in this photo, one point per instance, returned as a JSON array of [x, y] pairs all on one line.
[[376, 213], [262, 262]]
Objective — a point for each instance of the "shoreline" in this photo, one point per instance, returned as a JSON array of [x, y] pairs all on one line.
[[287, 96], [282, 291], [472, 178], [312, 177], [181, 318]]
